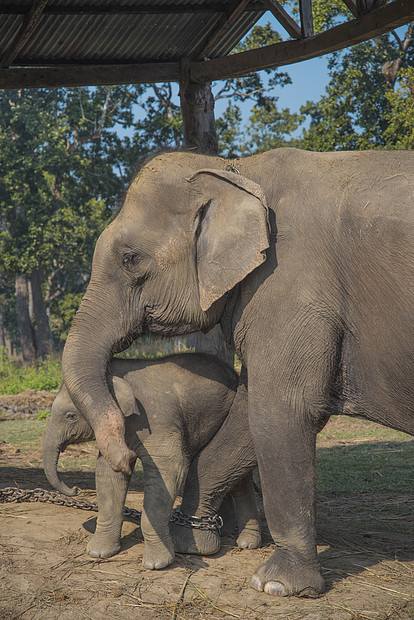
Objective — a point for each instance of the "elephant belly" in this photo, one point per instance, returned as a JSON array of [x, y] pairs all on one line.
[[375, 382]]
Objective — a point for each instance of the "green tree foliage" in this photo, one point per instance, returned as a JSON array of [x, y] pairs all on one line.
[[399, 114], [267, 127], [360, 109], [60, 184]]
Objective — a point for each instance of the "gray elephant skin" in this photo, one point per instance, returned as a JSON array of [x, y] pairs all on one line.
[[172, 407], [306, 260]]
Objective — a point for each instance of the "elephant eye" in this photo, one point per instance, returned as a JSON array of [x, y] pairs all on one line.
[[130, 260], [70, 416]]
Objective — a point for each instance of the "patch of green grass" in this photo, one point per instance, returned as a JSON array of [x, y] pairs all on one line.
[[356, 456], [343, 428], [371, 467], [14, 378], [25, 434]]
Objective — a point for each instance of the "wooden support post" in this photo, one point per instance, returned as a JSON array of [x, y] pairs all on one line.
[[197, 105], [306, 19], [352, 6]]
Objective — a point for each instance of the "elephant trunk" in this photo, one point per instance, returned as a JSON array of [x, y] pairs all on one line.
[[92, 340], [51, 452]]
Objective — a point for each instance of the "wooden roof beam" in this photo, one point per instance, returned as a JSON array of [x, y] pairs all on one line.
[[221, 28], [284, 18], [24, 32], [359, 7], [92, 75], [368, 26]]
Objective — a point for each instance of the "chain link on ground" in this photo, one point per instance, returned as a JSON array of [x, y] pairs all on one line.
[[16, 495], [214, 523]]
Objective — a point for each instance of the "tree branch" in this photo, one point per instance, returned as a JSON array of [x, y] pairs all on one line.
[[95, 135]]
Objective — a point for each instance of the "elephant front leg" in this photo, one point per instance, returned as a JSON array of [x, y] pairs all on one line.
[[111, 489], [286, 457], [164, 476]]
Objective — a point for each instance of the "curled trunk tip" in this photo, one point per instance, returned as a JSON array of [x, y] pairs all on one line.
[[50, 460]]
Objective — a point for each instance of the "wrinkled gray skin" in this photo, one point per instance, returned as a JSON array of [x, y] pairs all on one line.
[[172, 408], [306, 260]]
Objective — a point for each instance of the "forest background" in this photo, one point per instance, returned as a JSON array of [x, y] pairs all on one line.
[[68, 154]]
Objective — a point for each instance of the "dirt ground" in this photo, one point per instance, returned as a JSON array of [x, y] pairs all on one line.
[[365, 546]]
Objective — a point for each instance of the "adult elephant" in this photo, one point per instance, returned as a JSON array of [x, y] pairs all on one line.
[[306, 260]]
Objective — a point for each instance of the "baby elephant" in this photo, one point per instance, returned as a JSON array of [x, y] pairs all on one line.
[[173, 407]]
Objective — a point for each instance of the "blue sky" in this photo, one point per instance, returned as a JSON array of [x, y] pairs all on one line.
[[309, 79]]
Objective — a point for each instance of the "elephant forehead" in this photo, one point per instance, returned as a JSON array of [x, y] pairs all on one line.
[[155, 192], [62, 401]]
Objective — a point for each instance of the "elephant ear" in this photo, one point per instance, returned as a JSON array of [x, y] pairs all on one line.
[[232, 234], [125, 396]]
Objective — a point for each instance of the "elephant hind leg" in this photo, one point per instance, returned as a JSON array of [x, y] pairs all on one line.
[[221, 464], [247, 515]]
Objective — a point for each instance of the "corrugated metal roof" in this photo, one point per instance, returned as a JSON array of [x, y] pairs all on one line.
[[119, 37]]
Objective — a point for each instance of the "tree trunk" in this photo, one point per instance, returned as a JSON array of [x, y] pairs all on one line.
[[23, 319], [44, 340], [2, 331], [197, 106]]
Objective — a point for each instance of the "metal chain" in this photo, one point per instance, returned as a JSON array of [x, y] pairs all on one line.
[[14, 494], [214, 523]]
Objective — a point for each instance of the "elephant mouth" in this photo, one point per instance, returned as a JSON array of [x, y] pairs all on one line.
[[127, 340]]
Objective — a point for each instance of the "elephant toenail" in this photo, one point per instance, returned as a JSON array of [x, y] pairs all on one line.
[[275, 588], [256, 583]]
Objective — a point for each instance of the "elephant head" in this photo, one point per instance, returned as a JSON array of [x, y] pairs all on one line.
[[187, 234], [66, 426]]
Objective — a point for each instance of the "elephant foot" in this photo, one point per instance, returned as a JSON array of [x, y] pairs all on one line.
[[196, 541], [156, 557], [101, 546], [250, 538], [284, 575]]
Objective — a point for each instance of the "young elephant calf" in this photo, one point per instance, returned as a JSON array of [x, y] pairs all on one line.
[[173, 407]]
